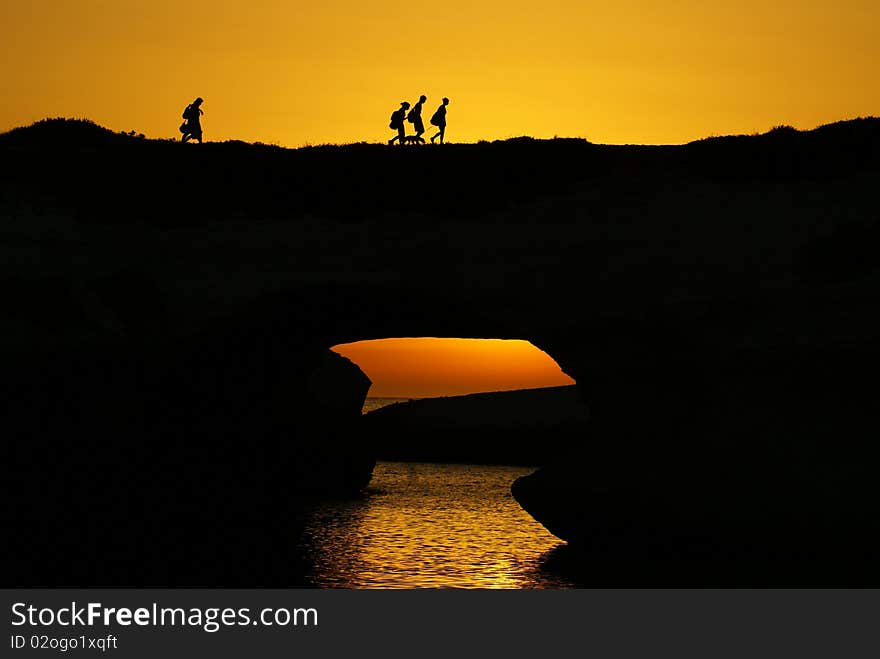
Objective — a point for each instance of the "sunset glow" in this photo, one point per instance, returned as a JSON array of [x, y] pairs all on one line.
[[635, 71], [426, 367]]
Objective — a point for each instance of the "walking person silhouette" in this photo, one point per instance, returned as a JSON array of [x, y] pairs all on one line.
[[192, 127], [415, 116], [397, 123], [439, 119]]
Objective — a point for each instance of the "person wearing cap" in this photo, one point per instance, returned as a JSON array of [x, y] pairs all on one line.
[[439, 119], [192, 127], [397, 124]]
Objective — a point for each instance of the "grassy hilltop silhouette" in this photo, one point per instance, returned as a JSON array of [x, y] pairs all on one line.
[[713, 217], [360, 180], [715, 302]]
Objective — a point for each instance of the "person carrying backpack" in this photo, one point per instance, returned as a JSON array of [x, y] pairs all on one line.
[[192, 127], [439, 119], [397, 124], [415, 116]]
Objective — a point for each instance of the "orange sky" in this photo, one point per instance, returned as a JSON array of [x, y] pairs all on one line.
[[630, 71], [425, 367]]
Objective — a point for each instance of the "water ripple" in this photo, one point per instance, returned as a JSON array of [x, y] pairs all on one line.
[[430, 526]]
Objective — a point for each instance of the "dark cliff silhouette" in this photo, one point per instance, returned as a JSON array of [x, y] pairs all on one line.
[[716, 303], [485, 428]]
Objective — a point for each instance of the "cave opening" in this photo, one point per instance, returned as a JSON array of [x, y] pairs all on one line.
[[464, 400], [411, 368], [454, 423]]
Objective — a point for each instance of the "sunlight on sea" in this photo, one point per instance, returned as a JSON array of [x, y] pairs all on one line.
[[431, 526], [371, 404]]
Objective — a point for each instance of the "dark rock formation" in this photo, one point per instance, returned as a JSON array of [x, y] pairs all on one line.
[[760, 476], [339, 459], [176, 462], [712, 300], [525, 427]]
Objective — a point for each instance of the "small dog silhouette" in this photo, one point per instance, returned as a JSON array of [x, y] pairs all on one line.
[[413, 139]]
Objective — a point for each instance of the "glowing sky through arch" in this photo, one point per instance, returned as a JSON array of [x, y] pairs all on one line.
[[428, 367]]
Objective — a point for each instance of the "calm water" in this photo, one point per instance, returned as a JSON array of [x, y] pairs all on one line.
[[430, 526]]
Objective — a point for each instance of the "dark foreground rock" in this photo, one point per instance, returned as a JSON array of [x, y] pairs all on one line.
[[524, 427], [715, 495], [186, 464]]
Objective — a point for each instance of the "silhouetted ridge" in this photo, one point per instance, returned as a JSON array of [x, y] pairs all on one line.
[[849, 130], [831, 150], [497, 427], [62, 133], [144, 178]]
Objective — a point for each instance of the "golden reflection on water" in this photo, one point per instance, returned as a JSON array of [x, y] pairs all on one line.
[[430, 526]]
